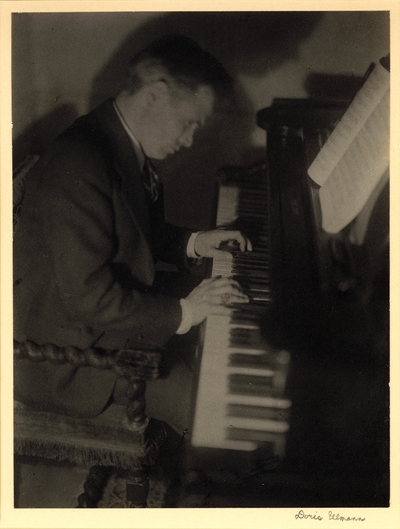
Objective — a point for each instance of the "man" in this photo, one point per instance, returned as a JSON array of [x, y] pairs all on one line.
[[92, 228]]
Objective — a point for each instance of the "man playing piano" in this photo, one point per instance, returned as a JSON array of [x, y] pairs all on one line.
[[92, 228]]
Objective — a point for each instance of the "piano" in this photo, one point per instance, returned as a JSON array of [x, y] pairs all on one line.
[[247, 405], [285, 384]]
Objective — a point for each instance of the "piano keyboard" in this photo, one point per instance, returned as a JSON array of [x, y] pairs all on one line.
[[240, 400]]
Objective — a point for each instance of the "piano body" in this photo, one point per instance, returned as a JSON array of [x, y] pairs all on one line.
[[291, 405]]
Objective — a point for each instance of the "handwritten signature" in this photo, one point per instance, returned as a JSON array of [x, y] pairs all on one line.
[[301, 515]]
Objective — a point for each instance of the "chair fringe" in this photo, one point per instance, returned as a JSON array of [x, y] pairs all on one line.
[[79, 455]]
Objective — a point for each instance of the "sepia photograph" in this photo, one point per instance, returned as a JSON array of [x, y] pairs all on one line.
[[200, 260]]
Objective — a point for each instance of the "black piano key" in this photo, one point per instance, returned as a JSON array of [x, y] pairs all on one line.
[[261, 278], [255, 210], [253, 282], [257, 412], [258, 246], [253, 307], [255, 265], [245, 319], [250, 334], [248, 346], [251, 209], [254, 198], [254, 286], [244, 337], [256, 361], [246, 261], [258, 293], [239, 384], [238, 315], [250, 201], [258, 436], [250, 255], [243, 268], [249, 274]]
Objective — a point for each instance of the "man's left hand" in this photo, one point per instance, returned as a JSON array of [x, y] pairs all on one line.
[[208, 243]]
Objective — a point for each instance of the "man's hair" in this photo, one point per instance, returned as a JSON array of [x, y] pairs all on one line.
[[184, 61]]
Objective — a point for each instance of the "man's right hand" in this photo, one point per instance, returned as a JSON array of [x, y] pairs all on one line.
[[215, 295]]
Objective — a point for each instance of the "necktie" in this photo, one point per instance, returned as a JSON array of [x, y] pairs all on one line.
[[150, 180]]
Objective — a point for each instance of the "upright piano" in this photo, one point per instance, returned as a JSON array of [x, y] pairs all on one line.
[[291, 403]]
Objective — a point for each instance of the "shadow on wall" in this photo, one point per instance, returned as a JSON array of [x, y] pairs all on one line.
[[41, 132], [246, 43]]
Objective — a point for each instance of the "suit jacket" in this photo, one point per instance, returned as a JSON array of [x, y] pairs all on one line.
[[84, 255]]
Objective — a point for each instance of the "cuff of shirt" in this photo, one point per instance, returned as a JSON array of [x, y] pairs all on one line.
[[186, 322], [190, 252]]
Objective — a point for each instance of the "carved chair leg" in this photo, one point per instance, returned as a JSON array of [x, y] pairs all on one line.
[[94, 486], [137, 483], [137, 487], [136, 418]]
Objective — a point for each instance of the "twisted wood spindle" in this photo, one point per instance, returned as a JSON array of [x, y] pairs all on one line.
[[94, 487]]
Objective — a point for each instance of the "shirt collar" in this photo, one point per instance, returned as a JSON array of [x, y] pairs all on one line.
[[136, 145]]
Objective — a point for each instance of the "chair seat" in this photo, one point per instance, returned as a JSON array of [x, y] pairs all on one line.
[[102, 440]]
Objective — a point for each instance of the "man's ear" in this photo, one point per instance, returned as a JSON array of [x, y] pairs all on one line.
[[157, 92]]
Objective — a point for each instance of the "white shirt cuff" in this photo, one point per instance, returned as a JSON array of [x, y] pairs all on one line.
[[190, 246], [187, 319]]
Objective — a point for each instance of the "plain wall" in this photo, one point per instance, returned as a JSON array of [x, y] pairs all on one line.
[[64, 64]]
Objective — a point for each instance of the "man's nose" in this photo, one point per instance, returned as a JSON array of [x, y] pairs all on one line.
[[186, 139]]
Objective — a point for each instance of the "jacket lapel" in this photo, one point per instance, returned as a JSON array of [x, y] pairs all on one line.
[[126, 166]]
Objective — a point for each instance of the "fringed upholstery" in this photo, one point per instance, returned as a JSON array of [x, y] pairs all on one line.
[[101, 440]]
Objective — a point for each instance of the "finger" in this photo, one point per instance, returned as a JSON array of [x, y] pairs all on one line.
[[233, 235], [226, 282], [244, 243], [234, 299], [249, 246], [229, 292], [227, 299]]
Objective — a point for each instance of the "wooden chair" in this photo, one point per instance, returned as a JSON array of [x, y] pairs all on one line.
[[121, 437]]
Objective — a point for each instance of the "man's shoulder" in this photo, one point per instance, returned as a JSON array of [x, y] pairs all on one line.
[[85, 131], [98, 133]]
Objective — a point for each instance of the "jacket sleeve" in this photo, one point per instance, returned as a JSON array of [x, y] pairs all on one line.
[[79, 227], [169, 242]]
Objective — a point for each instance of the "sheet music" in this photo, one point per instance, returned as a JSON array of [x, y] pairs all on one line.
[[356, 155]]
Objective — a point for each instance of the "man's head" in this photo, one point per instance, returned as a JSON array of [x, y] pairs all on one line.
[[172, 88]]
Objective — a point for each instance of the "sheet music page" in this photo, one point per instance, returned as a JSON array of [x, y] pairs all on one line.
[[356, 154]]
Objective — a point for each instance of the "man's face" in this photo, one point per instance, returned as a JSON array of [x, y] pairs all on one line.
[[172, 120]]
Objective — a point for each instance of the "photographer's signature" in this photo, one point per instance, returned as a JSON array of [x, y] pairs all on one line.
[[302, 515]]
